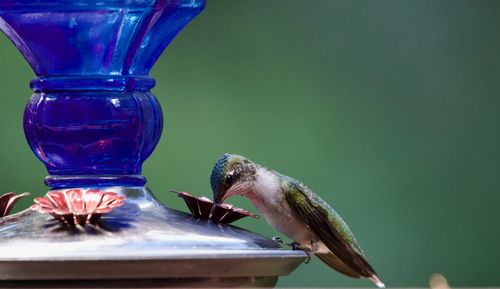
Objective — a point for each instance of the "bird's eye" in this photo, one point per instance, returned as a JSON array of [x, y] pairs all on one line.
[[229, 180]]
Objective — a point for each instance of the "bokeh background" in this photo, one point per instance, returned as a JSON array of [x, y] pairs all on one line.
[[388, 109]]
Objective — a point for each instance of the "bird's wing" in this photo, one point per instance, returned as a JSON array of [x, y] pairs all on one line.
[[331, 230]]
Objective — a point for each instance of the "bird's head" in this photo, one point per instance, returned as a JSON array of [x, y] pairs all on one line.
[[231, 175]]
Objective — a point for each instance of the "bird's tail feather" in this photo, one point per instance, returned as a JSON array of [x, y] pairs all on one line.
[[331, 260], [376, 280]]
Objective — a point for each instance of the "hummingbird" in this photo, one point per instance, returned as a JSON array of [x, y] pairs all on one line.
[[294, 210]]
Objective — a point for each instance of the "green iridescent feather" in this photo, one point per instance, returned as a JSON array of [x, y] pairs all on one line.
[[346, 255]]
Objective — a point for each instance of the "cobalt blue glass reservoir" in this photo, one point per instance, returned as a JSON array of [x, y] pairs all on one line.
[[92, 119]]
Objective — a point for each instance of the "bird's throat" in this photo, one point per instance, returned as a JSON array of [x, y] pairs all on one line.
[[267, 184]]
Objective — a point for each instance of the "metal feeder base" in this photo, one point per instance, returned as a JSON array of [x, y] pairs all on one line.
[[140, 245]]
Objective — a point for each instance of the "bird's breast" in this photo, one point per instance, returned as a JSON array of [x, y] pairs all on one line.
[[280, 215]]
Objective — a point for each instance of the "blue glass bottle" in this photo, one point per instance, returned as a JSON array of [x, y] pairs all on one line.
[[92, 119]]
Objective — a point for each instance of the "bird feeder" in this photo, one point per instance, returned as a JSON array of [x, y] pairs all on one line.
[[93, 121]]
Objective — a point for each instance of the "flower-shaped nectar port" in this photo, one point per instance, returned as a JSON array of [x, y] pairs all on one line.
[[7, 202], [224, 213], [78, 207]]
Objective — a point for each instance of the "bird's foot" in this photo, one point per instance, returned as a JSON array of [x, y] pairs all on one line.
[[279, 240], [298, 246], [308, 251]]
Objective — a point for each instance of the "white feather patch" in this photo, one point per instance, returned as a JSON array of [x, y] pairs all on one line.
[[267, 185]]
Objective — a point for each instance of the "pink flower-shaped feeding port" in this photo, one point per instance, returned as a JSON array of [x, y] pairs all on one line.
[[7, 201], [78, 207], [224, 213]]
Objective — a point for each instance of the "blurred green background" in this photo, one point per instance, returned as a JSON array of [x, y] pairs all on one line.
[[388, 109]]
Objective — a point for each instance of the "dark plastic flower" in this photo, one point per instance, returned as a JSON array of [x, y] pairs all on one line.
[[78, 207], [224, 213], [7, 201]]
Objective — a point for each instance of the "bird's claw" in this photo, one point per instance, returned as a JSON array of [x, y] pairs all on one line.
[[308, 258], [295, 246], [278, 239]]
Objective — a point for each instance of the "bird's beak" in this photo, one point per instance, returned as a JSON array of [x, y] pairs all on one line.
[[212, 211], [217, 201]]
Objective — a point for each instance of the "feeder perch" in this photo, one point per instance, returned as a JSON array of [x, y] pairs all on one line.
[[223, 213]]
